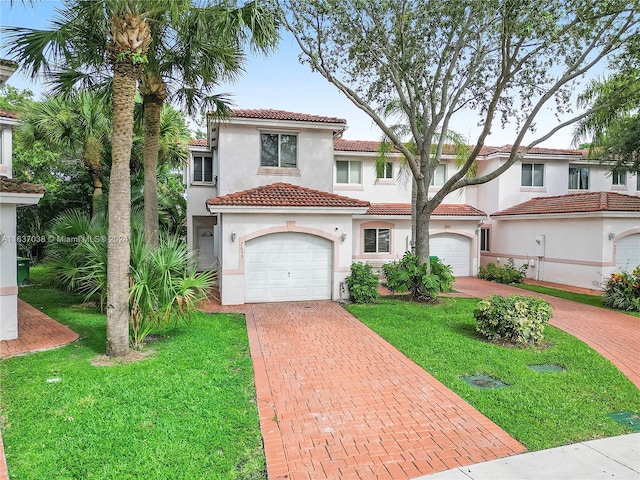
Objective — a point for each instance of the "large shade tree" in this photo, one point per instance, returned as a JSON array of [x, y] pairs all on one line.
[[499, 60]]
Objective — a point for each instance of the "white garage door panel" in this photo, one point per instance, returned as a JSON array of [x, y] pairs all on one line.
[[628, 253], [454, 250], [287, 267]]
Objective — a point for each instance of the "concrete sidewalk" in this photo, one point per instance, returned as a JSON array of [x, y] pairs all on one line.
[[606, 458]]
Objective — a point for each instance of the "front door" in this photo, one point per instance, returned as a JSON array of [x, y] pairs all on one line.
[[206, 256]]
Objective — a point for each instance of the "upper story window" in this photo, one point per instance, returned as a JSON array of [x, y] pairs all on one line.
[[439, 176], [387, 171], [349, 172], [578, 178], [278, 150], [619, 178], [532, 175], [484, 239], [202, 168], [377, 240]]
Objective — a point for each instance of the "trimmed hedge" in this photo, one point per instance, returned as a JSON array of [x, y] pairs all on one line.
[[515, 319]]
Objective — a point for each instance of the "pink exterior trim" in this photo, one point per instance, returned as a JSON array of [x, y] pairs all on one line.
[[566, 261], [5, 291]]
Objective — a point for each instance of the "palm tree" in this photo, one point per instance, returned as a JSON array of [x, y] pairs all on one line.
[[78, 125], [90, 37], [187, 60]]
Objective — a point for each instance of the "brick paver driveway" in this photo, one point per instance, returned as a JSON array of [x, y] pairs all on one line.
[[614, 335], [338, 402]]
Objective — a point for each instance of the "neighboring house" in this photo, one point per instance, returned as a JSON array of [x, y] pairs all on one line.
[[13, 194], [281, 206]]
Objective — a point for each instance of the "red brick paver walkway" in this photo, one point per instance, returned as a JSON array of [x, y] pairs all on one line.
[[338, 402], [36, 332], [614, 335]]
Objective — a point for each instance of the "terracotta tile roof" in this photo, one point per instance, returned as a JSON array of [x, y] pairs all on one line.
[[269, 114], [575, 203], [8, 114], [199, 142], [10, 185], [444, 210], [373, 146], [286, 195]]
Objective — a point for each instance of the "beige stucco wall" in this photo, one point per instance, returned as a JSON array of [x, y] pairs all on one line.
[[248, 226]]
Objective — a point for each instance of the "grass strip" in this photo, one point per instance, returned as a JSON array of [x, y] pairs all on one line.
[[541, 410]]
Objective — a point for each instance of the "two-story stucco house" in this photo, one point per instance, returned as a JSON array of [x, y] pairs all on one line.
[[12, 195], [281, 205]]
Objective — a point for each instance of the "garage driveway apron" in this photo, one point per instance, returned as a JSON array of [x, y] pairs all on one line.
[[337, 401]]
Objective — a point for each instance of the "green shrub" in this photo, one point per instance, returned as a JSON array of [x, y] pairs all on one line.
[[622, 291], [363, 284], [409, 275], [164, 284], [515, 319], [505, 274]]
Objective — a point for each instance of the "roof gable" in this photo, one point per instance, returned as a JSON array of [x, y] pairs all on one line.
[[286, 195], [575, 203]]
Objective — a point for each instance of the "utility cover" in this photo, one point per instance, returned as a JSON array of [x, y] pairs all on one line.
[[630, 419], [547, 367], [484, 382]]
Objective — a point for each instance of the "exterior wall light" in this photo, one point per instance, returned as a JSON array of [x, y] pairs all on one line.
[[233, 236], [343, 236], [612, 236]]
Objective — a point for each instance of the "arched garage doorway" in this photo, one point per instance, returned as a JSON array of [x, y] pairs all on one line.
[[288, 266], [454, 250], [628, 253]]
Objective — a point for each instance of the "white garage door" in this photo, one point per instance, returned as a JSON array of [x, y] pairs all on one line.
[[284, 267], [628, 253], [454, 250]]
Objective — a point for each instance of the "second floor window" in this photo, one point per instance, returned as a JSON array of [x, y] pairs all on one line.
[[578, 178], [377, 240], [278, 150], [484, 239], [532, 175], [619, 178], [202, 169], [387, 171], [348, 172], [439, 176]]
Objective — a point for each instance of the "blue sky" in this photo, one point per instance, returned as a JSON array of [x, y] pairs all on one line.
[[281, 82]]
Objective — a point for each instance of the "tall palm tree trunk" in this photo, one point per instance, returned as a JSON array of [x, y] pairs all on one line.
[[92, 160], [118, 251], [152, 108]]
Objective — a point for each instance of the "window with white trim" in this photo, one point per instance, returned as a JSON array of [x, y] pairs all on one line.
[[203, 168], [349, 172], [278, 150], [579, 178], [532, 175], [377, 240], [619, 178], [484, 239], [439, 176], [387, 171]]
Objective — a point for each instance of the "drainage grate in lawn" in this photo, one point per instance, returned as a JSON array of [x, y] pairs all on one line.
[[629, 419], [547, 367], [484, 382]]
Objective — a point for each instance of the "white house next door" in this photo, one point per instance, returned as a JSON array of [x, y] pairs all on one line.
[[284, 267]]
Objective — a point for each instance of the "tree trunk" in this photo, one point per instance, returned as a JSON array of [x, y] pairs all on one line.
[[152, 107], [93, 160], [118, 252]]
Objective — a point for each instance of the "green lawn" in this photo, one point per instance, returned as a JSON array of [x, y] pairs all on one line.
[[542, 410], [594, 300], [186, 412]]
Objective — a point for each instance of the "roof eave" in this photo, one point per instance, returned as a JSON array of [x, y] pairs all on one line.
[[213, 208], [545, 216]]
